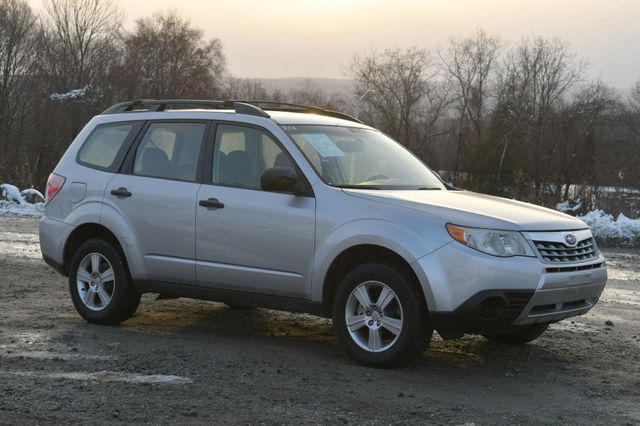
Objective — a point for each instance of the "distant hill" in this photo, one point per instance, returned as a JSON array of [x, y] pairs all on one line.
[[326, 85]]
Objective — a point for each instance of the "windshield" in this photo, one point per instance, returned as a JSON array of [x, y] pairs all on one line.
[[349, 157]]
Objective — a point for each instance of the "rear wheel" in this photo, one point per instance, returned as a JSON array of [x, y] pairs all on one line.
[[99, 284], [526, 334], [379, 316]]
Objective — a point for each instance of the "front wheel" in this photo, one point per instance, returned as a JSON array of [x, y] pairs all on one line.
[[524, 335], [99, 284], [379, 316]]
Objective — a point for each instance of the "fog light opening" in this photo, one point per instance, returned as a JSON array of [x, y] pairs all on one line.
[[491, 308]]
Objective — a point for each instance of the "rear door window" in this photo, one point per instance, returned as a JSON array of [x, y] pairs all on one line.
[[170, 150], [103, 145]]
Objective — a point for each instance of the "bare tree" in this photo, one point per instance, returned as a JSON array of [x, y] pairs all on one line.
[[633, 113], [398, 85], [81, 39], [469, 63], [171, 59], [244, 88], [534, 78], [17, 54], [580, 137], [308, 94]]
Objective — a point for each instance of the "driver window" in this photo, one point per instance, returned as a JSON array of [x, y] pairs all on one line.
[[242, 154]]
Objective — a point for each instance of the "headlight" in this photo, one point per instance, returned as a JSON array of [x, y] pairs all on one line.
[[490, 241]]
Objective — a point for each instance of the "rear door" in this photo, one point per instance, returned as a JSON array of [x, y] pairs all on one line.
[[249, 239], [156, 193]]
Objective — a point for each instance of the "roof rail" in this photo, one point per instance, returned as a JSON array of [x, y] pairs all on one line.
[[152, 105], [292, 107], [249, 107]]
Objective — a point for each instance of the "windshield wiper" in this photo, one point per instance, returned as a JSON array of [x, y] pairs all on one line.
[[428, 188], [357, 186]]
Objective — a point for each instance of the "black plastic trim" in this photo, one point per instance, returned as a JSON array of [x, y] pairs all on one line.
[[290, 304], [240, 106], [292, 107], [465, 319], [158, 105]]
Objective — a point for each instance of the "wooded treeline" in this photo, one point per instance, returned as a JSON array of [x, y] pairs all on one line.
[[517, 119]]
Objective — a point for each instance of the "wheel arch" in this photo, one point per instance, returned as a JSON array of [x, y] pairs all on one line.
[[85, 232], [356, 255]]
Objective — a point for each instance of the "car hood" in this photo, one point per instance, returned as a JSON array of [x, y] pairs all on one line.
[[476, 210]]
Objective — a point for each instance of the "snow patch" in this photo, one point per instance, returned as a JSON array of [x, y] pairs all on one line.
[[73, 94], [604, 227], [11, 193], [32, 191], [567, 207], [13, 209], [14, 202]]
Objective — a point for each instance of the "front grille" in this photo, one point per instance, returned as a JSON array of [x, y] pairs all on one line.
[[553, 251], [574, 268]]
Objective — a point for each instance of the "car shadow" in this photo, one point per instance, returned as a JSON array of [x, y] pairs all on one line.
[[201, 323]]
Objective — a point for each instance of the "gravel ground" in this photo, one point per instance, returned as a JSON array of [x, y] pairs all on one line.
[[195, 362]]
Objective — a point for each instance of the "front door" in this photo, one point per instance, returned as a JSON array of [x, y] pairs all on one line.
[[157, 195], [249, 239]]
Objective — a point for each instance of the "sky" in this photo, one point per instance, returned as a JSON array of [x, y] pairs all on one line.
[[317, 38]]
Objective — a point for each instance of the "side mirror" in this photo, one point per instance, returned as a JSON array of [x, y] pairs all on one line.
[[281, 179]]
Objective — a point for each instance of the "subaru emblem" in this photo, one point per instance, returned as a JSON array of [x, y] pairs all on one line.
[[570, 239]]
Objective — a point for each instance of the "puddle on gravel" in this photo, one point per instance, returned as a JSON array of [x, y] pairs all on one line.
[[104, 376], [13, 244], [26, 338], [623, 265], [53, 355], [463, 352], [619, 295], [36, 345]]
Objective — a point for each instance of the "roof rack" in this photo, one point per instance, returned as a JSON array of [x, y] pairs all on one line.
[[292, 107], [153, 105], [249, 107]]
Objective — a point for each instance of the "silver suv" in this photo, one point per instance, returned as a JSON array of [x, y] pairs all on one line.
[[306, 210]]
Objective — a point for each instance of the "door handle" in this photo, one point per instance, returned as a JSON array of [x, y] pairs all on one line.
[[211, 203], [121, 192]]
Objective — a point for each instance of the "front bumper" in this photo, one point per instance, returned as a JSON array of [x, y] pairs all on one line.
[[468, 291], [566, 299]]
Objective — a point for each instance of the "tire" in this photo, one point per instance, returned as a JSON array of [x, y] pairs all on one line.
[[123, 300], [526, 334], [407, 303]]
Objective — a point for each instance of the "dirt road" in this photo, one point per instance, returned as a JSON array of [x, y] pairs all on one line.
[[190, 361]]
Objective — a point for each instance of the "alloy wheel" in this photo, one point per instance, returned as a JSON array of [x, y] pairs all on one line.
[[95, 281], [373, 316]]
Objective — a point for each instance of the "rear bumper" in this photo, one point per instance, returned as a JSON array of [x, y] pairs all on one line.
[[471, 292], [53, 234], [59, 267]]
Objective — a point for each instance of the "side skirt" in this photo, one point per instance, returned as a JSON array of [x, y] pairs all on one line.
[[281, 303]]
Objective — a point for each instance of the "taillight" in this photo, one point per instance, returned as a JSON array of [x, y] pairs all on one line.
[[54, 185]]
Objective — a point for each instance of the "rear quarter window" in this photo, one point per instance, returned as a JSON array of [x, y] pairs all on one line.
[[103, 145]]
